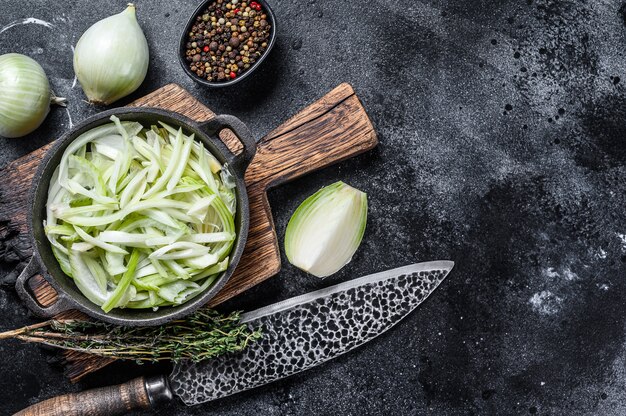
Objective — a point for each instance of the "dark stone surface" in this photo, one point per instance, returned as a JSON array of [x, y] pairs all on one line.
[[502, 146]]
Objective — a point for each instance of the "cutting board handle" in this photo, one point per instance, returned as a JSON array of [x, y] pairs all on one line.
[[137, 394], [332, 129]]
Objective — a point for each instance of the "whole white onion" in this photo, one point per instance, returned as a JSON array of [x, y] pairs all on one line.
[[25, 95], [111, 58]]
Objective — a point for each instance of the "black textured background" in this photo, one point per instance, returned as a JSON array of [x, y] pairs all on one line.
[[502, 146]]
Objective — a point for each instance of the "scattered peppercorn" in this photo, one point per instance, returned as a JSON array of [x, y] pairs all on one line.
[[226, 39]]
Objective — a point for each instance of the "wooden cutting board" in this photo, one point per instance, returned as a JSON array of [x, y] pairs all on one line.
[[332, 129]]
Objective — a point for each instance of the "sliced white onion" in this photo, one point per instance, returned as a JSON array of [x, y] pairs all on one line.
[[112, 232]]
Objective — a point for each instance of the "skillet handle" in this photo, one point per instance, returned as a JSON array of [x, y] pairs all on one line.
[[241, 161], [32, 269]]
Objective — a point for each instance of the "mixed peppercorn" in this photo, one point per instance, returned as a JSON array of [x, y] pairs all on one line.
[[227, 39]]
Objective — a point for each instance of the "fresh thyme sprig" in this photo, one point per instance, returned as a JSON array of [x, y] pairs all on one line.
[[203, 335]]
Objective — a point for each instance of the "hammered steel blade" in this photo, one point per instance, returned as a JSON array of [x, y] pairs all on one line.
[[302, 332]]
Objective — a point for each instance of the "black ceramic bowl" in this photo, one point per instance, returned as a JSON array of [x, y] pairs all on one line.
[[43, 261], [183, 41]]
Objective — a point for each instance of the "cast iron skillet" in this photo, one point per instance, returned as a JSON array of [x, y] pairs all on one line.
[[43, 261]]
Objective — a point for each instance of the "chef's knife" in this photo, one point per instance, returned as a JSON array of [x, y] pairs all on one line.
[[297, 334]]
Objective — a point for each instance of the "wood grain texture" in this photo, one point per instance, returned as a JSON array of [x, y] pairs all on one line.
[[332, 129], [105, 401]]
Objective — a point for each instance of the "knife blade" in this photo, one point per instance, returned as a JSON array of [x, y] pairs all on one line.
[[304, 331], [297, 334]]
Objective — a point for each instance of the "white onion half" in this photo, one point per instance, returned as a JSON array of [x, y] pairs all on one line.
[[111, 58], [326, 229], [24, 95]]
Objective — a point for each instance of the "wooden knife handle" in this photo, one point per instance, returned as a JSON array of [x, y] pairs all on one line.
[[136, 394]]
